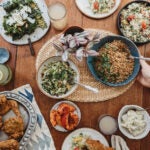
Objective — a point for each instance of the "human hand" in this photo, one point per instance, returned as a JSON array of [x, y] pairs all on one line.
[[144, 75]]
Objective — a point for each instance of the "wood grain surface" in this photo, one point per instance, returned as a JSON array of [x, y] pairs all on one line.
[[23, 66]]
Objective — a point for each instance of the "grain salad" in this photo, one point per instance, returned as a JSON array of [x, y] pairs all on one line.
[[135, 22], [113, 63]]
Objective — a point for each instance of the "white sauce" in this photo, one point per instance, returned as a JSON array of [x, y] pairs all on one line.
[[134, 122]]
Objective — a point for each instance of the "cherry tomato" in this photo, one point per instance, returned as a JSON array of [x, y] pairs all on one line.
[[96, 5], [143, 24], [130, 17]]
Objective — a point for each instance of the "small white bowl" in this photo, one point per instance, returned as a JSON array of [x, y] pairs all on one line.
[[55, 59], [125, 131]]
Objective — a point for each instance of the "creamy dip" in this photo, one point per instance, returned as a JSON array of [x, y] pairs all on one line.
[[134, 122]]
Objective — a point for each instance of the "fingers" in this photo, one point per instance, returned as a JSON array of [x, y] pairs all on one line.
[[143, 81]]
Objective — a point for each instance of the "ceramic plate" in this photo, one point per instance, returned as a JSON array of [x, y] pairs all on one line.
[[29, 116], [84, 7], [95, 135], [77, 111], [35, 36]]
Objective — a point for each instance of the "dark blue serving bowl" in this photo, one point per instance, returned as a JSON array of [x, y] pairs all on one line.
[[133, 50]]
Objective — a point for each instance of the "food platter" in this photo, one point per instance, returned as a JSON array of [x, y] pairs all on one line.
[[84, 7], [77, 112], [29, 117], [36, 35], [95, 135], [124, 26]]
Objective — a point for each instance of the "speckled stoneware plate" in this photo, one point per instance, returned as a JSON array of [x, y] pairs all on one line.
[[93, 134], [84, 7], [28, 114], [35, 36]]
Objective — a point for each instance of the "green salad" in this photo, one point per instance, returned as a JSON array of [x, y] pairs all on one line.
[[57, 78], [22, 17]]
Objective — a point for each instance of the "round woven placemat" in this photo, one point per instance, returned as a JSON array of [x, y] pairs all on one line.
[[81, 94]]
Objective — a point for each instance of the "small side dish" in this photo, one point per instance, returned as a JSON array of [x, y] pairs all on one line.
[[22, 17], [101, 6], [56, 78], [134, 121], [133, 21], [65, 116]]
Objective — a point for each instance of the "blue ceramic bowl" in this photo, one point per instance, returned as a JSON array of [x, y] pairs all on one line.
[[4, 55], [133, 50]]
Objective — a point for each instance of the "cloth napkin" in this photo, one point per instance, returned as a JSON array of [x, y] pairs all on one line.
[[41, 139]]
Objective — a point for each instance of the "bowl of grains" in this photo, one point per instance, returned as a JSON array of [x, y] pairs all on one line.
[[114, 65]]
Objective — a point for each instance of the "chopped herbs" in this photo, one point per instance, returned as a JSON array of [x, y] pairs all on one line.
[[57, 78]]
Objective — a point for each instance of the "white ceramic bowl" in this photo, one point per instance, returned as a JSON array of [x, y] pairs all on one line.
[[54, 59], [125, 131]]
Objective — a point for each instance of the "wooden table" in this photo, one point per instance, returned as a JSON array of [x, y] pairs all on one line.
[[23, 66]]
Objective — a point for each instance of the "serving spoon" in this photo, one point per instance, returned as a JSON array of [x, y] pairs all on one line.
[[142, 58], [88, 87]]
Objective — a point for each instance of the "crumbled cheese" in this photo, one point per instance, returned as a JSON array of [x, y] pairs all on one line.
[[19, 16]]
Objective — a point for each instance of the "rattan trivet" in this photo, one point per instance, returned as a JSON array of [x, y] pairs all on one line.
[[81, 94]]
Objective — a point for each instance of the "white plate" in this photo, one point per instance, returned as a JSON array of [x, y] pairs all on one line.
[[84, 7], [35, 36], [77, 111], [95, 135]]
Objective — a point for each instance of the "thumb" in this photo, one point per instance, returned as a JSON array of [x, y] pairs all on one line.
[[144, 64]]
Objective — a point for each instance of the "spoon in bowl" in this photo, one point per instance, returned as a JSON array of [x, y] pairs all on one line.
[[143, 58]]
